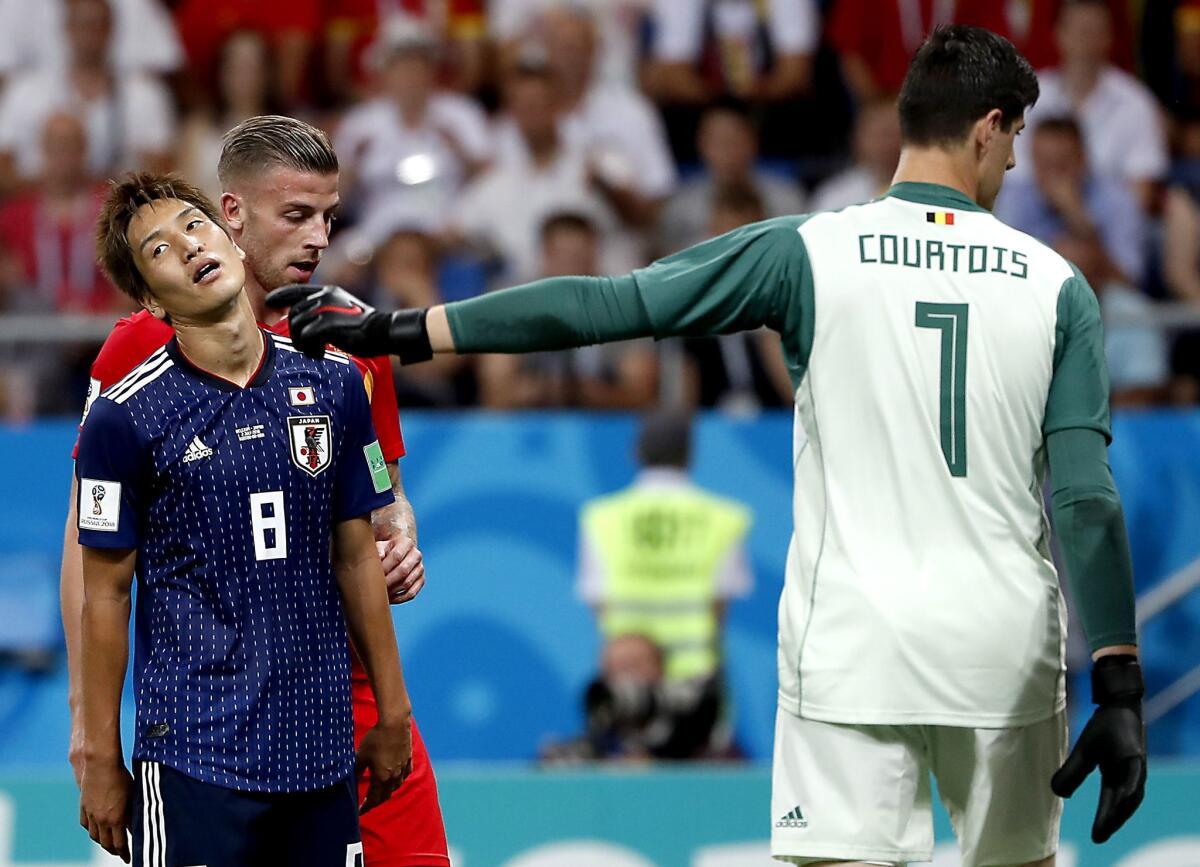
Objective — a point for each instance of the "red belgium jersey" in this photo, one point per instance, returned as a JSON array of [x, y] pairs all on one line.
[[407, 831]]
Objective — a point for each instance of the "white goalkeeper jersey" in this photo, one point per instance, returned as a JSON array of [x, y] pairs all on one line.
[[932, 348]]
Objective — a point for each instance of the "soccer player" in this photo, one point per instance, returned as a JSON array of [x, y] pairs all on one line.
[[941, 360], [281, 181], [221, 470]]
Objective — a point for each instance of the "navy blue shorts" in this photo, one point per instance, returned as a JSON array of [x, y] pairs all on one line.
[[181, 822]]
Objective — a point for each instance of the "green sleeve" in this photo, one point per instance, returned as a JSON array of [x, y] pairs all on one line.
[[1079, 386], [1091, 531], [556, 313], [745, 279]]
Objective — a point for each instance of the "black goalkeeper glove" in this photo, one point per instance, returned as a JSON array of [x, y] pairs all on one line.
[[324, 315], [1115, 740]]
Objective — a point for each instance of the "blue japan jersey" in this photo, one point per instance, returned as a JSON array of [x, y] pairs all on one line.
[[230, 495]]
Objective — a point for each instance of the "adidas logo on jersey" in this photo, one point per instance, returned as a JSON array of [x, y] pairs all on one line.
[[794, 819], [196, 450]]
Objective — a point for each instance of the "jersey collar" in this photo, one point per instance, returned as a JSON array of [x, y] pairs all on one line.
[[265, 365], [933, 194]]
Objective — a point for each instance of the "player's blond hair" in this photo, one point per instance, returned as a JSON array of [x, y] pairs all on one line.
[[259, 143], [125, 197]]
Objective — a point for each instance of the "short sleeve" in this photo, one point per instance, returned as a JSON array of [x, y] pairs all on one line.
[[1079, 386], [110, 468], [741, 280], [362, 483]]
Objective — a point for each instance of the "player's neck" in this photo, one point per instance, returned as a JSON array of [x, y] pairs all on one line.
[[230, 346], [257, 297], [936, 166]]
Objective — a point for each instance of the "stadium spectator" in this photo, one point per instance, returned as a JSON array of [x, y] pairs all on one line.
[[47, 236], [727, 141], [663, 558], [755, 51], [32, 36], [1170, 58], [408, 152], [876, 150], [244, 83], [743, 48], [622, 26], [1135, 349], [1122, 127], [404, 274], [876, 38], [1033, 24], [129, 116], [619, 128], [1062, 194], [739, 373], [618, 376], [503, 210], [351, 26], [291, 27]]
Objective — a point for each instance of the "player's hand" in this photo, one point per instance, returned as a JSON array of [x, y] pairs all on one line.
[[1114, 740], [104, 805], [385, 755], [322, 315], [403, 567]]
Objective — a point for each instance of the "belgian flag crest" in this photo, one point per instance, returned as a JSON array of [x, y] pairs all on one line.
[[942, 218]]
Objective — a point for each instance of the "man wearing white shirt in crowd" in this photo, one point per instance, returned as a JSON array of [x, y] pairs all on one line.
[[619, 24], [1121, 123], [129, 116], [411, 149], [619, 127], [876, 148], [32, 36], [538, 173]]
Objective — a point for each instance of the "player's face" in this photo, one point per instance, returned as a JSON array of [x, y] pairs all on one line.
[[191, 265], [282, 220], [998, 158]]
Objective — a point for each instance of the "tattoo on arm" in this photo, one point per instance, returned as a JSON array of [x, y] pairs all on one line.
[[397, 517]]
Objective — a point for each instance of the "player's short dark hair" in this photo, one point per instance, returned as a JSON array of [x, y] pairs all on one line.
[[665, 439], [125, 196], [1063, 125], [959, 75], [731, 106], [268, 140], [567, 221]]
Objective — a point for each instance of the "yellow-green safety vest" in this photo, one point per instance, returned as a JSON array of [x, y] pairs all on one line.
[[661, 551]]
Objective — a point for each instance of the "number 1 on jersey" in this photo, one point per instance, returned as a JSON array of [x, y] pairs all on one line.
[[951, 320]]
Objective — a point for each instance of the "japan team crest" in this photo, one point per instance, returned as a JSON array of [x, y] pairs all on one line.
[[310, 438]]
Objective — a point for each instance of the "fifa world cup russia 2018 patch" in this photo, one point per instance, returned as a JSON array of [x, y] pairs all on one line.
[[941, 218], [309, 437]]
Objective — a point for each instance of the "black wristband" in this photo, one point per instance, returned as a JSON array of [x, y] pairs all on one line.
[[408, 337], [1117, 680]]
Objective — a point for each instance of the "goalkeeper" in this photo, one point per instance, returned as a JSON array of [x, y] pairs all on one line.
[[941, 360]]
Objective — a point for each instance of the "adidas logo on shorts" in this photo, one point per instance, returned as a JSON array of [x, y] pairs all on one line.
[[794, 819]]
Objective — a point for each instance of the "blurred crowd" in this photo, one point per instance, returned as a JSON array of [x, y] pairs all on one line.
[[490, 142]]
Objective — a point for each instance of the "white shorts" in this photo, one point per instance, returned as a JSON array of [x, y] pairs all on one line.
[[862, 793]]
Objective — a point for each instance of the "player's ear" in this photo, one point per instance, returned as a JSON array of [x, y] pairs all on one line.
[[991, 125], [151, 305], [241, 253], [231, 210]]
